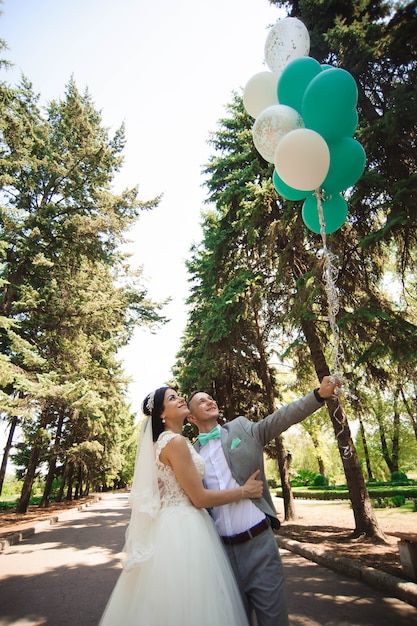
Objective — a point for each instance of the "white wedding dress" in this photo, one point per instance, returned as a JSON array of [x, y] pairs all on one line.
[[188, 580]]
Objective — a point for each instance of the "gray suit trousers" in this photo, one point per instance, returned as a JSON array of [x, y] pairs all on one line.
[[259, 574]]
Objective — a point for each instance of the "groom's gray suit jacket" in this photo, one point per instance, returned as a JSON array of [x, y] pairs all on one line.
[[243, 442]]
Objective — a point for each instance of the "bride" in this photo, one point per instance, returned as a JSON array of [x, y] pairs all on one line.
[[175, 569]]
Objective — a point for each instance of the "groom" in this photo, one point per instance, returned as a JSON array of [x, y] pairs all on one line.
[[232, 453]]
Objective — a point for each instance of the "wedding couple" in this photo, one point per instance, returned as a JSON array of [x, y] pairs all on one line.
[[185, 566]]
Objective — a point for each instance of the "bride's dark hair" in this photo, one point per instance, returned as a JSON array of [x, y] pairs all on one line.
[[153, 405]]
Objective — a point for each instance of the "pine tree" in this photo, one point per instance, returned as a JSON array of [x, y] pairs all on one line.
[[66, 286]]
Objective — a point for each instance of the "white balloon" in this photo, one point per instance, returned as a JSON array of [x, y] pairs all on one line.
[[302, 159], [271, 125], [288, 39], [260, 92]]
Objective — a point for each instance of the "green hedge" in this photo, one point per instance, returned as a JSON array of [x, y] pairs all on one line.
[[342, 493], [317, 494]]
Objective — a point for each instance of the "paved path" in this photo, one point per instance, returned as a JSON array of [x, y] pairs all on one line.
[[63, 574]]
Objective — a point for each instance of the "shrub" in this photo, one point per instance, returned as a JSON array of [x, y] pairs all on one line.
[[398, 477], [397, 501], [303, 478], [380, 503], [415, 505], [321, 481]]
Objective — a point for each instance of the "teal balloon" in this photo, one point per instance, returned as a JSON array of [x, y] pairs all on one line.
[[287, 192], [329, 104], [349, 124], [335, 211], [295, 79], [347, 162]]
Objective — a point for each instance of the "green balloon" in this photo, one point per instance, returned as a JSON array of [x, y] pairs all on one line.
[[329, 104], [287, 192], [335, 211], [295, 79], [347, 162], [349, 124]]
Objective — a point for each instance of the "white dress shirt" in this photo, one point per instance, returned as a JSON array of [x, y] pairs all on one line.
[[234, 518]]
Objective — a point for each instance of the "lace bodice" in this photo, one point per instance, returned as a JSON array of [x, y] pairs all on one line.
[[173, 494]]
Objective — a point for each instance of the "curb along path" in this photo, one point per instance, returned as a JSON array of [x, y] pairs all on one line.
[[397, 587], [28, 531], [64, 574]]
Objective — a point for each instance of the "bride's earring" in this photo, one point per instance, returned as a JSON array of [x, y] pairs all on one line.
[[163, 420]]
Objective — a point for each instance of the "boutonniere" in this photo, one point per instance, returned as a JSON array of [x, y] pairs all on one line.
[[235, 443]]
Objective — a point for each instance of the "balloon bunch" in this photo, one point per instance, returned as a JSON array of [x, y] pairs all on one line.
[[305, 118]]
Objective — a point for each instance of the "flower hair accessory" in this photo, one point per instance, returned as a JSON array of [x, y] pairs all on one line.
[[150, 402]]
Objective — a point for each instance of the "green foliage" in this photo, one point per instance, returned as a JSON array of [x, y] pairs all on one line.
[[321, 481], [395, 502], [399, 477], [388, 431], [387, 491], [309, 441], [11, 486], [392, 502], [319, 493], [398, 500], [378, 317], [69, 299], [272, 471], [378, 492], [303, 478], [9, 505], [257, 293], [380, 503], [12, 504], [224, 346]]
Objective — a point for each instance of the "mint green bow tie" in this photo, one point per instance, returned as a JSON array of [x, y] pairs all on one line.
[[205, 437]]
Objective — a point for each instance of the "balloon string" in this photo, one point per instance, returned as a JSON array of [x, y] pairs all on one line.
[[330, 274]]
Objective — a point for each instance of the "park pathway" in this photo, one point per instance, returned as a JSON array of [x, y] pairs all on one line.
[[64, 573]]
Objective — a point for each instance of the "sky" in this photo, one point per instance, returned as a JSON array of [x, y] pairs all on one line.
[[167, 70]]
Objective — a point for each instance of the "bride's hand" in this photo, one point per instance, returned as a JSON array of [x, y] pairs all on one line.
[[252, 488]]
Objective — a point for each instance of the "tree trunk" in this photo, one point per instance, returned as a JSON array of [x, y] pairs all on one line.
[[44, 503], [52, 463], [358, 409], [390, 459], [365, 449], [365, 519], [322, 469], [78, 483], [384, 445], [63, 483], [70, 481], [282, 457], [24, 499], [412, 417], [396, 433], [284, 472], [7, 449]]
